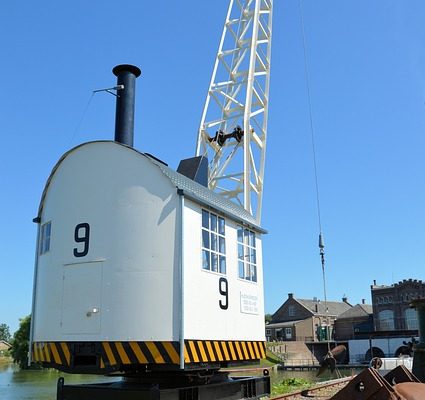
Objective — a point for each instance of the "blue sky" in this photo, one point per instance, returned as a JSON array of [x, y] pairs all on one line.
[[367, 73]]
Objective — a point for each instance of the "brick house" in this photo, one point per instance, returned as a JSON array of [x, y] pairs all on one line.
[[391, 305], [354, 322], [305, 320], [4, 347]]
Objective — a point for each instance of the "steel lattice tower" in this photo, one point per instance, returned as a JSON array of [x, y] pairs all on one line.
[[233, 127]]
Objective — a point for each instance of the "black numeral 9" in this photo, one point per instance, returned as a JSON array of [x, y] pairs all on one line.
[[82, 235], [223, 288]]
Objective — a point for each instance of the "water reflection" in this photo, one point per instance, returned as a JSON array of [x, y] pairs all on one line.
[[16, 384]]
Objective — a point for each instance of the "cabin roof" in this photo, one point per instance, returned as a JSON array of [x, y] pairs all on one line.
[[203, 195], [190, 188]]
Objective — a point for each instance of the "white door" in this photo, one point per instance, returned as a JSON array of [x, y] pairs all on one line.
[[81, 302]]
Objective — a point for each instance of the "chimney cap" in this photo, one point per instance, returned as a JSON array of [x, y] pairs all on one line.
[[126, 67]]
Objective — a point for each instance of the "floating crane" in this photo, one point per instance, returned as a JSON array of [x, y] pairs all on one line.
[[233, 129], [156, 275]]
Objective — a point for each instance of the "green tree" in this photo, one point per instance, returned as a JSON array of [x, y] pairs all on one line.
[[268, 318], [5, 332], [20, 343]]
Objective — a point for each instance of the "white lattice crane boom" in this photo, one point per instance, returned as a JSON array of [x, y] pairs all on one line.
[[233, 127]]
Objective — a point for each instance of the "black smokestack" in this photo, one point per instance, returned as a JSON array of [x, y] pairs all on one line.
[[124, 114]]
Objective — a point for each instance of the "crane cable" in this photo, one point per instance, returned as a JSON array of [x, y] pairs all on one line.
[[321, 239]]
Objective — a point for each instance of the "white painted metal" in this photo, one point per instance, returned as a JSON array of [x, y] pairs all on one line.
[[131, 208], [203, 316], [238, 95], [130, 284]]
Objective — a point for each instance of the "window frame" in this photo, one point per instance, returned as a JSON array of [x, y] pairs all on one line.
[[45, 238], [213, 243], [247, 258]]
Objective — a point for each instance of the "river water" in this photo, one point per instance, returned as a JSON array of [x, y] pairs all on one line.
[[17, 384]]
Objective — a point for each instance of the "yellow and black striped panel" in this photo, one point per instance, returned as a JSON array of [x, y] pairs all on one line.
[[52, 353], [202, 351], [116, 355]]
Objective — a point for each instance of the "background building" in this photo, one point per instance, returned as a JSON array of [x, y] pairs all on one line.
[[354, 322], [305, 320], [391, 305]]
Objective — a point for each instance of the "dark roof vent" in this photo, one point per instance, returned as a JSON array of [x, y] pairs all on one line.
[[195, 168]]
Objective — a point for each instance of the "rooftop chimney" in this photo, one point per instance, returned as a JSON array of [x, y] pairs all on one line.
[[124, 115], [290, 295], [363, 301]]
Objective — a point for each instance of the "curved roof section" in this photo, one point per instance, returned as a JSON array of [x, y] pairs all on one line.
[[190, 188]]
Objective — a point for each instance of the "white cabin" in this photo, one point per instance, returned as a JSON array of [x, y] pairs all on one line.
[[138, 265]]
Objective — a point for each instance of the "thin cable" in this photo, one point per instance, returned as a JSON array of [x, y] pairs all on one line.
[[321, 242], [311, 116], [77, 128]]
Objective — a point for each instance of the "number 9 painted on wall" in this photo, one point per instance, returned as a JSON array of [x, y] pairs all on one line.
[[223, 288], [82, 235]]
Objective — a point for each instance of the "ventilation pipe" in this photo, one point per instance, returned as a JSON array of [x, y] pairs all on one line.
[[124, 115]]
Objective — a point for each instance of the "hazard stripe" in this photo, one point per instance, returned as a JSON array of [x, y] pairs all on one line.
[[193, 350], [139, 355], [36, 357], [245, 351], [46, 352], [171, 351], [55, 353], [202, 350], [186, 355], [251, 351], [263, 349], [232, 351], [66, 353], [257, 353], [37, 352], [114, 354], [226, 353], [239, 351], [210, 351], [40, 357], [155, 353], [218, 351], [123, 355], [109, 353]]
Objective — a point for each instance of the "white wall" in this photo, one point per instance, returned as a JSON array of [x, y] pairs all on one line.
[[129, 272], [204, 319]]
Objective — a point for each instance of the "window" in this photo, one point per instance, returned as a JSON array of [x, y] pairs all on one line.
[[268, 332], [45, 237], [291, 311], [247, 254], [411, 318], [213, 243], [386, 320], [288, 333]]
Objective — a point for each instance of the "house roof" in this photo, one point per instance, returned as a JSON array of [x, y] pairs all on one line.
[[7, 344], [190, 188], [334, 307], [359, 310], [283, 324]]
